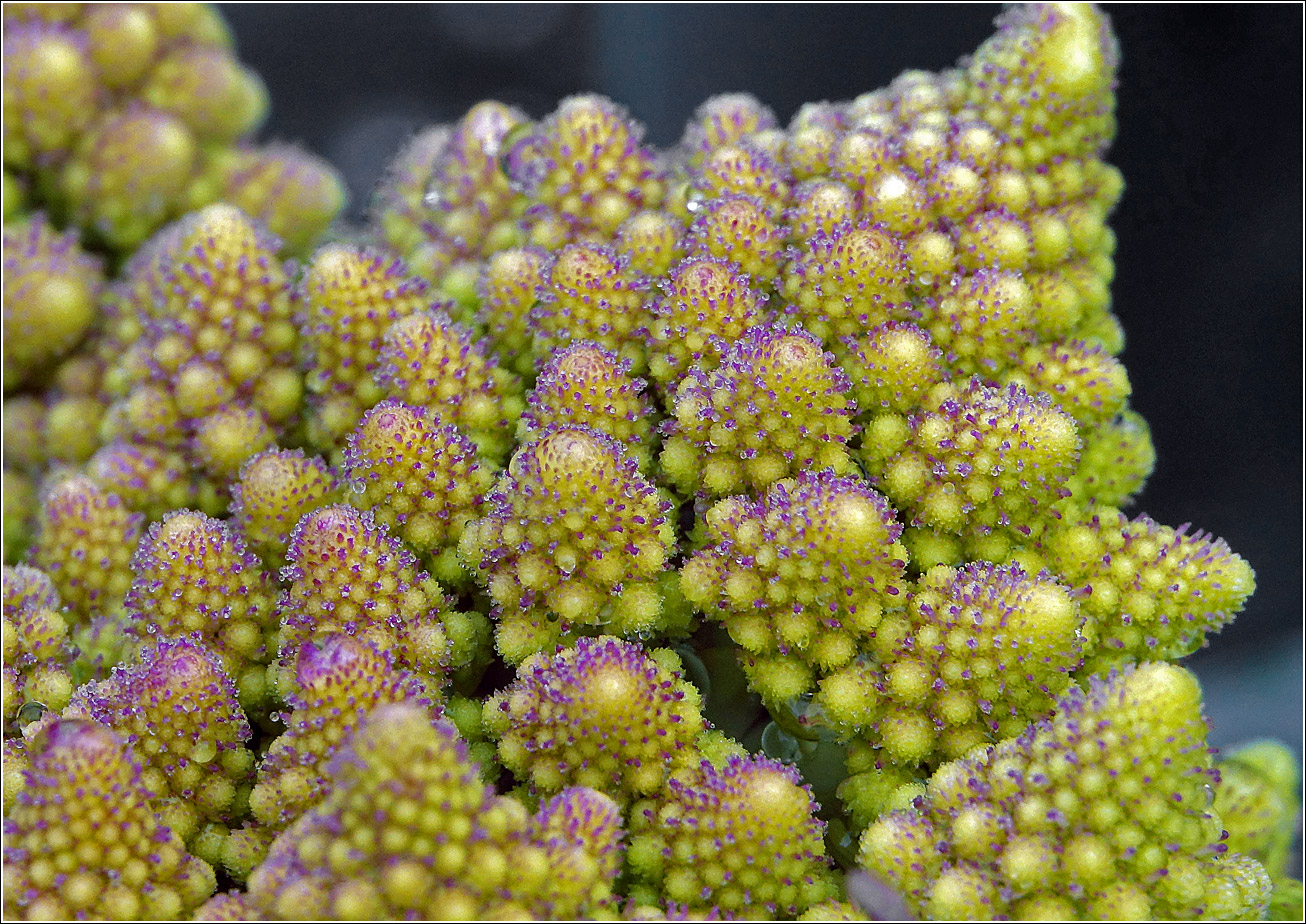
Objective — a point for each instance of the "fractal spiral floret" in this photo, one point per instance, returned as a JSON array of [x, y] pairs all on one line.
[[732, 531]]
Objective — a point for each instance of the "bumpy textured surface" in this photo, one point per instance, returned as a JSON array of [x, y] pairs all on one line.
[[834, 408], [347, 573], [586, 385], [339, 681], [741, 838], [800, 579], [440, 846], [84, 781], [274, 490], [124, 117], [1102, 811], [51, 287], [193, 574], [428, 360], [177, 708], [603, 714], [85, 538], [776, 406], [420, 477], [574, 540], [351, 297]]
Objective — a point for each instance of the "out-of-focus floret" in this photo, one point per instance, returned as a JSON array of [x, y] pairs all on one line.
[[50, 294], [85, 540], [585, 167]]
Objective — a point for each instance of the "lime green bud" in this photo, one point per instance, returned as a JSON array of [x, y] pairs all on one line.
[[274, 490], [50, 294], [339, 681], [1117, 459], [294, 193], [743, 839], [651, 241], [510, 284], [707, 302], [217, 98], [420, 477], [1258, 801], [586, 385], [50, 91], [128, 174], [986, 459], [591, 294], [85, 541], [574, 540], [351, 297]]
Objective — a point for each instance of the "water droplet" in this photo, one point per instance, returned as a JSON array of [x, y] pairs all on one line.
[[779, 744]]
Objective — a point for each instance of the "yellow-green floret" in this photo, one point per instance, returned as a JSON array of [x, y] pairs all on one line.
[[420, 477], [50, 294], [977, 656], [1259, 801], [176, 707], [776, 406], [706, 304], [351, 297], [586, 385], [83, 839], [428, 360], [192, 574], [338, 681], [85, 540], [844, 282], [273, 491], [986, 459], [1147, 590], [585, 168], [604, 714], [591, 294], [1101, 812], [800, 578], [37, 652], [575, 540], [743, 838], [408, 829], [347, 573]]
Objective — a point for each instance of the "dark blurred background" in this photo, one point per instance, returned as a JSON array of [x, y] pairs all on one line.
[[1209, 262]]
